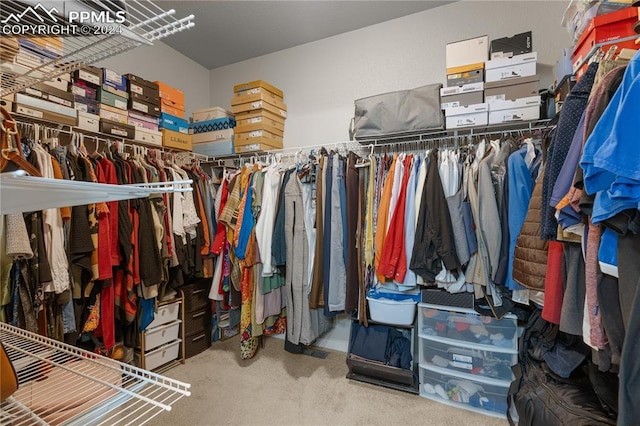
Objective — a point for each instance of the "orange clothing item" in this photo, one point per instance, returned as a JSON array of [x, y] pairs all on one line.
[[393, 260], [383, 212]]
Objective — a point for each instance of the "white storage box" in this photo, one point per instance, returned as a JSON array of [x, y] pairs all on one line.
[[148, 136], [160, 335], [159, 356], [507, 68], [392, 312], [467, 116], [465, 52], [165, 314], [523, 109], [210, 114], [90, 122]]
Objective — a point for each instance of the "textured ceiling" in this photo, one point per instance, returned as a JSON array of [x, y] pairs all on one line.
[[231, 31]]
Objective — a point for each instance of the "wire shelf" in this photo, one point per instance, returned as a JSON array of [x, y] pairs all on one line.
[[62, 385], [87, 42]]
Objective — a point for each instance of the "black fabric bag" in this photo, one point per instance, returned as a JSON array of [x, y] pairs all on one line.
[[541, 397]]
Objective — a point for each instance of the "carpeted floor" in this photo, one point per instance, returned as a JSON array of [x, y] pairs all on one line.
[[279, 388]]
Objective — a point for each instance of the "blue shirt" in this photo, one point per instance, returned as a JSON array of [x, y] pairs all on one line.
[[611, 158]]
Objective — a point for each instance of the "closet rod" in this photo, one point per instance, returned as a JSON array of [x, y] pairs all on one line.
[[61, 129], [395, 141]]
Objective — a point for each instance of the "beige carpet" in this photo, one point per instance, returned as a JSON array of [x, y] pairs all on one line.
[[279, 388]]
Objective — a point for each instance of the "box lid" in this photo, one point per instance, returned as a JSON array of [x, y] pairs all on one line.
[[515, 60], [516, 103], [258, 83], [457, 90], [470, 109], [463, 52], [512, 82], [609, 18], [141, 81]]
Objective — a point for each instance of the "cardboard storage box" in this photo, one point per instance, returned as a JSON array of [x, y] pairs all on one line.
[[90, 122], [261, 96], [7, 102], [563, 66], [51, 94], [467, 116], [456, 96], [142, 120], [60, 82], [467, 52], [261, 116], [168, 107], [523, 109], [607, 28], [117, 129], [176, 124], [113, 79], [108, 98], [212, 113], [89, 74], [218, 135], [256, 87], [147, 136], [507, 68], [259, 106], [45, 105], [259, 126], [212, 125], [84, 91], [254, 147], [465, 68], [175, 96], [508, 90], [176, 140], [44, 114], [466, 77], [86, 105], [118, 92], [113, 114], [141, 86], [258, 136], [143, 106], [507, 47], [215, 149]]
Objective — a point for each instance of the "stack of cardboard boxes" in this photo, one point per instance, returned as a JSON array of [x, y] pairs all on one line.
[[211, 131], [260, 114], [175, 128], [498, 90], [144, 109], [113, 101]]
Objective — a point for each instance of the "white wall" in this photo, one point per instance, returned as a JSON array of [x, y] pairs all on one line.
[[320, 80], [163, 63]]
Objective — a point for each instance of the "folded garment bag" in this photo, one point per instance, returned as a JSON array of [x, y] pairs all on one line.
[[398, 113]]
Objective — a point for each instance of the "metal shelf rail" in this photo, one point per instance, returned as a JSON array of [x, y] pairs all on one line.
[[62, 385], [145, 23]]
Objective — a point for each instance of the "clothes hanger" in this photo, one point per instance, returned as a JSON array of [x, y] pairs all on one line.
[[11, 147]]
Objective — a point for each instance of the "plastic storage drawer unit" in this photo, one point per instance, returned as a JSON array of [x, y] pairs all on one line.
[[473, 360], [466, 325], [165, 314], [483, 396]]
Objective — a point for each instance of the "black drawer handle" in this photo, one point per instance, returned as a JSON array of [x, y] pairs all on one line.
[[194, 316], [202, 336]]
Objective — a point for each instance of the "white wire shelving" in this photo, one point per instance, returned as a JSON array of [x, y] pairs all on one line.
[[145, 23], [62, 385]]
